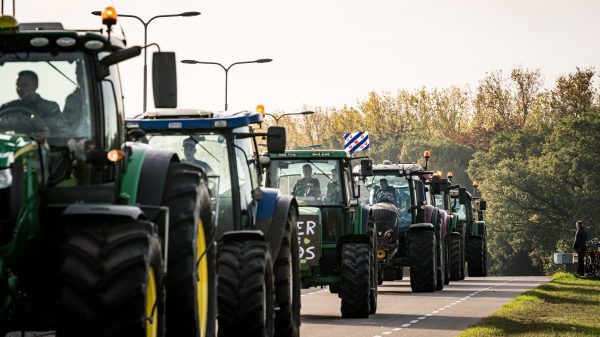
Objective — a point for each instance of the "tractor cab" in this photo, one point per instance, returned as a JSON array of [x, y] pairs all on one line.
[[402, 185], [224, 146]]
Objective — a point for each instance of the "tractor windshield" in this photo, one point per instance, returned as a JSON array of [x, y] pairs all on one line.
[[461, 212], [388, 188], [209, 152], [45, 95], [311, 181]]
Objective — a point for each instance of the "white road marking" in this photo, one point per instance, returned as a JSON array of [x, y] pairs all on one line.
[[406, 325]]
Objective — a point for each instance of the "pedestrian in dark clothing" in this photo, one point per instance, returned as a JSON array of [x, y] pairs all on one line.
[[579, 246]]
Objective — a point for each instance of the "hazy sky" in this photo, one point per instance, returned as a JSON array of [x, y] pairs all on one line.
[[331, 53]]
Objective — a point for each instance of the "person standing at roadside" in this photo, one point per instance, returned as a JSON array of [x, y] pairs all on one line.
[[579, 247]]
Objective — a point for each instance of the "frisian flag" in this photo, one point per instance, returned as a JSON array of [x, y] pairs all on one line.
[[356, 141]]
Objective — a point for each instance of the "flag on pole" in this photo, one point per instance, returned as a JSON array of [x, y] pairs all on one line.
[[356, 141]]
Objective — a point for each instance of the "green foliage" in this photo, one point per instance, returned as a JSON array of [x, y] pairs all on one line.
[[565, 306]]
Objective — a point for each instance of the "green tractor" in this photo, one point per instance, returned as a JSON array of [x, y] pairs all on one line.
[[410, 230], [337, 238], [94, 232], [467, 239], [258, 269]]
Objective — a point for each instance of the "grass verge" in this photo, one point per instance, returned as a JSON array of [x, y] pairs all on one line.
[[566, 306]]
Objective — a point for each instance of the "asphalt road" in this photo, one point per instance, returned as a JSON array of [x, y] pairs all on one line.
[[402, 313]]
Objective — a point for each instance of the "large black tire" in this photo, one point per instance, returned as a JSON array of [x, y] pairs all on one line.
[[389, 274], [111, 279], [476, 262], [355, 284], [287, 281], [447, 260], [485, 257], [191, 307], [422, 261], [454, 247], [245, 289], [399, 273], [374, 274], [440, 265]]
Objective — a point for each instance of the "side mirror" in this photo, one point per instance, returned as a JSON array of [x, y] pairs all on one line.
[[164, 79], [462, 195], [356, 190], [121, 55], [366, 168], [276, 139], [482, 205]]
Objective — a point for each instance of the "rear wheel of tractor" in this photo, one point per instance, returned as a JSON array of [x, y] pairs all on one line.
[[389, 274], [462, 259], [399, 273], [422, 261], [111, 280], [191, 307], [485, 257], [440, 265], [245, 290], [454, 243], [355, 286], [373, 280], [380, 276], [447, 260], [287, 282], [476, 263]]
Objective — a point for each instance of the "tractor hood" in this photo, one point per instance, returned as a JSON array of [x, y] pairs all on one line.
[[12, 146]]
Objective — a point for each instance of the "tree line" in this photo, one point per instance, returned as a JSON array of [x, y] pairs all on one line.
[[534, 149]]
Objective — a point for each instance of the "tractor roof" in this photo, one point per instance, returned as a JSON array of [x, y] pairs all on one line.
[[394, 168], [43, 37], [311, 154], [193, 119]]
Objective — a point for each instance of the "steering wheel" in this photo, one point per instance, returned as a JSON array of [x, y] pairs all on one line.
[[8, 122]]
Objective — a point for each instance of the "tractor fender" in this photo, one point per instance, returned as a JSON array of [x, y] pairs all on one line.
[[421, 227], [445, 222], [245, 235], [271, 216], [352, 238], [153, 177], [78, 210]]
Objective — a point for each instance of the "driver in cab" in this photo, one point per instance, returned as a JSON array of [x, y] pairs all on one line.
[[385, 189], [27, 84], [307, 186]]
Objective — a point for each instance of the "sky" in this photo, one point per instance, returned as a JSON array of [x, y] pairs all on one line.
[[333, 53]]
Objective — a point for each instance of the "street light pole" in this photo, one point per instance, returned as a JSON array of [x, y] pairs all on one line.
[[277, 118], [226, 69], [146, 24]]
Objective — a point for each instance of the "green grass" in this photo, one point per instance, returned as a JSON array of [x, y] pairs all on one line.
[[566, 306]]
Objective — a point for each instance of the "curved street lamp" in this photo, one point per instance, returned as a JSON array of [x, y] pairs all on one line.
[[146, 24], [277, 118], [226, 69]]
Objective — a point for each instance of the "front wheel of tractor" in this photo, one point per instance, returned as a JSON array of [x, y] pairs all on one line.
[[355, 285], [422, 261], [245, 290], [111, 279]]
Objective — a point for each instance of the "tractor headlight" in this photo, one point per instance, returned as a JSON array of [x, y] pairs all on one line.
[[5, 178]]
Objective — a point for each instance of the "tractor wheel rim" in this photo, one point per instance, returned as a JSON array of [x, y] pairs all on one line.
[[151, 302], [202, 280]]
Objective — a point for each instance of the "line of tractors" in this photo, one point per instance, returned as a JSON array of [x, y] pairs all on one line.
[[176, 224]]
